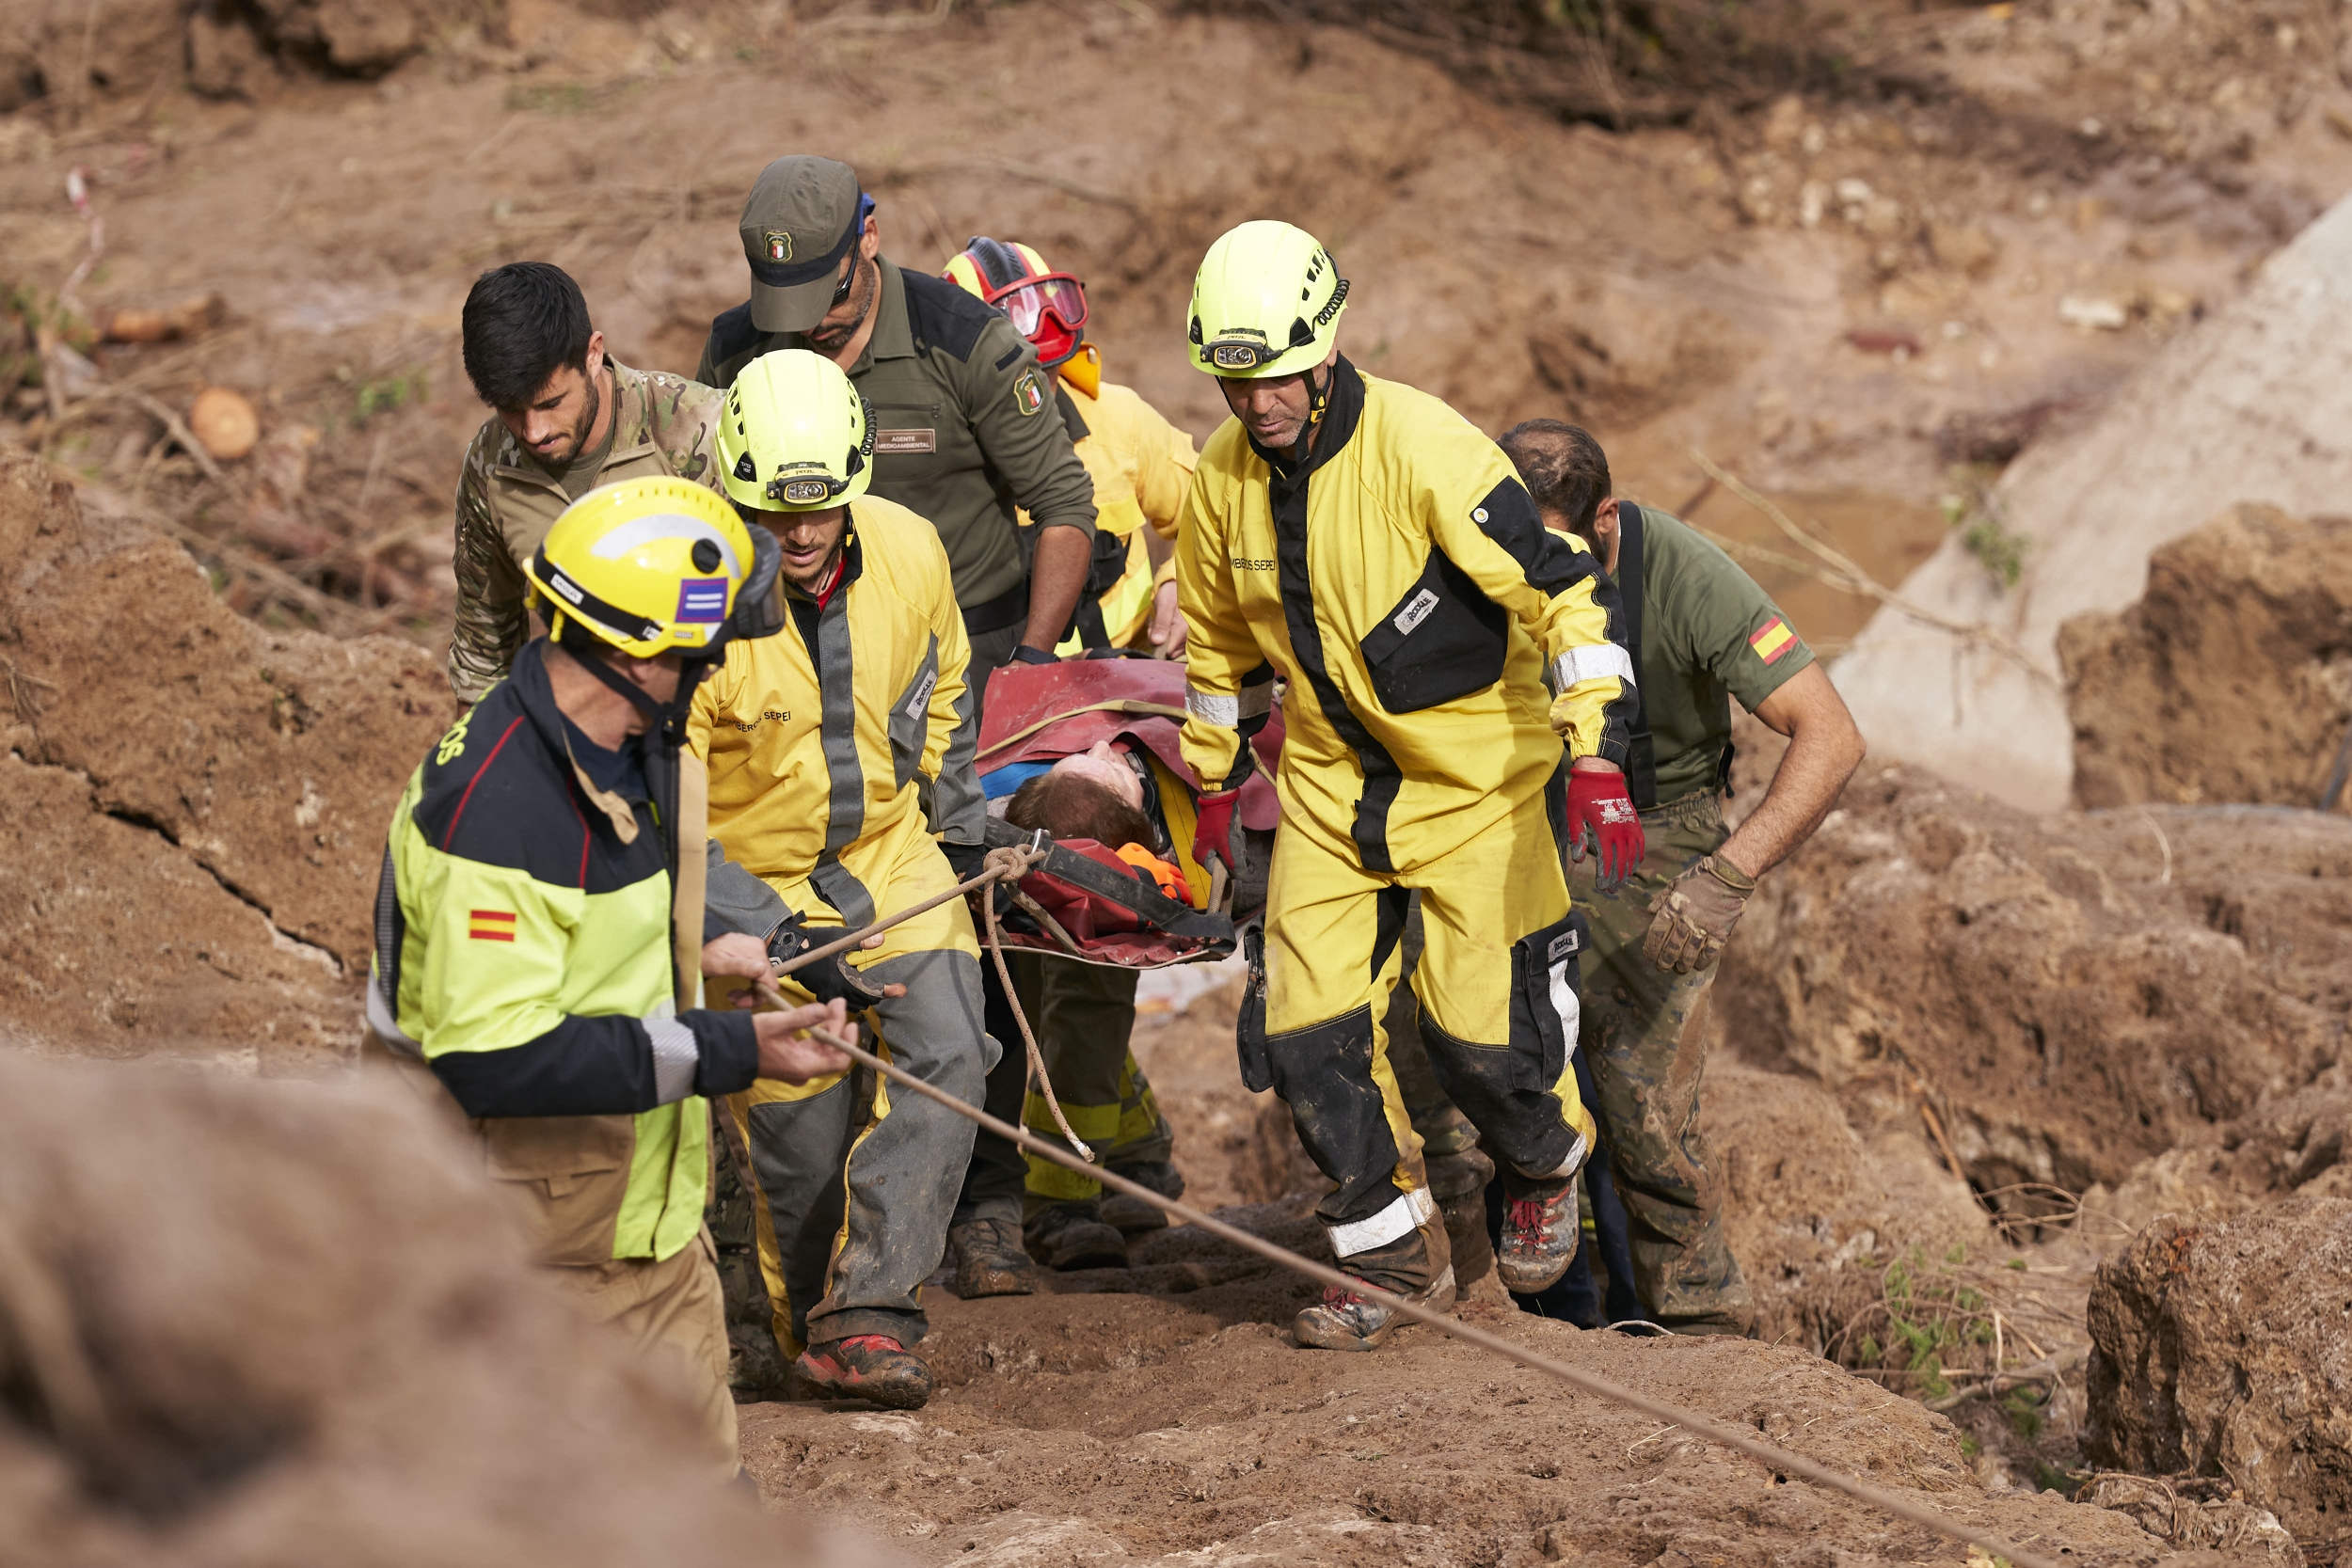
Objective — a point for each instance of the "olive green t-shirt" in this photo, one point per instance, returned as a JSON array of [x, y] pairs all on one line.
[[579, 475], [1710, 633]]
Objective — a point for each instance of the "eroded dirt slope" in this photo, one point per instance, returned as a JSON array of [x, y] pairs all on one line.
[[2230, 678], [198, 805], [2072, 993]]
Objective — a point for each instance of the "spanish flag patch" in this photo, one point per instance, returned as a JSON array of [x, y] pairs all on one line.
[[1771, 639], [491, 925]]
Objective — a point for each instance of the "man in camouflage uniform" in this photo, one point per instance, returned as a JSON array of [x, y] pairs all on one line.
[[568, 417], [1701, 631]]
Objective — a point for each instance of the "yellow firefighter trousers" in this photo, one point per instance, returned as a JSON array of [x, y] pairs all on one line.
[[1498, 990]]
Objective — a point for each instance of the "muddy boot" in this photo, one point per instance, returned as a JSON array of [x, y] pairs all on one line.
[[1458, 1181], [1067, 1236], [1132, 1216], [866, 1367], [989, 1260], [1541, 1227], [1419, 1267]]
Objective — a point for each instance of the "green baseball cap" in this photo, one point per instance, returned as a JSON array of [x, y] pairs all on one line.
[[802, 217]]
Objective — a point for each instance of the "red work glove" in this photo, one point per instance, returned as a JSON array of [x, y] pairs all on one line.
[[1213, 834], [1601, 819]]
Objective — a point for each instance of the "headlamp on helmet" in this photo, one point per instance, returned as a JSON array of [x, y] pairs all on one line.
[[795, 435]]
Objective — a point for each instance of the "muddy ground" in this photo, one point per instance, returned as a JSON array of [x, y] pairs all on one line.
[[1861, 289]]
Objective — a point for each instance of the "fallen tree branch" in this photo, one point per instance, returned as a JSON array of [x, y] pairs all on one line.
[[332, 611]]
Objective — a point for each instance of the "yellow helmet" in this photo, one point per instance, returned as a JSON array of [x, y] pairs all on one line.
[[795, 435], [655, 563], [1266, 302]]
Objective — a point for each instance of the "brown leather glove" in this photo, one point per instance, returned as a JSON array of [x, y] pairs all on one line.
[[1691, 919]]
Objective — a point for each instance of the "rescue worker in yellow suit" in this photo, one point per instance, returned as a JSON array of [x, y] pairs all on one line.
[[1364, 543], [840, 757], [1141, 465]]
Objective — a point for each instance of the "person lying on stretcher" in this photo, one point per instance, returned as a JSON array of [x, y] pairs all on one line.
[[1102, 793]]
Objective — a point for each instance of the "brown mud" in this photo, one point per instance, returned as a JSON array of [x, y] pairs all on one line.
[[1959, 1052]]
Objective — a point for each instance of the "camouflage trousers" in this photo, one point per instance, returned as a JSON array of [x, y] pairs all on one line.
[[1644, 1036], [1644, 1040]]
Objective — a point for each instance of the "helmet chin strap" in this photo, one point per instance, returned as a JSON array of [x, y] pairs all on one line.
[[1318, 398], [667, 720]]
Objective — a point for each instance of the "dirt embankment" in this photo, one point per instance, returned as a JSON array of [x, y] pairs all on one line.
[[195, 807], [2230, 678], [2071, 993]]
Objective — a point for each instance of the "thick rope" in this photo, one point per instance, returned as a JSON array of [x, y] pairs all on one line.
[[1012, 1000], [1002, 864], [1769, 1454]]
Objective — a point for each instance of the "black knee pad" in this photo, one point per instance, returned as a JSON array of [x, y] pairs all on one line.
[[1507, 1090]]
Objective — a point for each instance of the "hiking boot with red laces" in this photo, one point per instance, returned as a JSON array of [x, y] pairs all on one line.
[[1540, 1232], [866, 1367], [1345, 1321]]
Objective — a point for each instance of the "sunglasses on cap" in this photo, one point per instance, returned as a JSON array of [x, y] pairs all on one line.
[[857, 232]]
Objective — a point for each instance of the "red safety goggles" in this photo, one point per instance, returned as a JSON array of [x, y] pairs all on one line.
[[1049, 309]]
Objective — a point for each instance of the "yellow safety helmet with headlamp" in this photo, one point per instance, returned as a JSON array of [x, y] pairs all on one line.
[[795, 435], [1266, 302]]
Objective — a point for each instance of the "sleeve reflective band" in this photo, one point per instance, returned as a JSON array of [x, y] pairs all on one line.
[[1209, 708], [1592, 663], [1410, 1211], [676, 1058], [1257, 701], [387, 1026]]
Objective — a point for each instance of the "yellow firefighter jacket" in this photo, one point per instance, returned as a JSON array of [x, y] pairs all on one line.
[[1142, 468], [838, 746], [1402, 584]]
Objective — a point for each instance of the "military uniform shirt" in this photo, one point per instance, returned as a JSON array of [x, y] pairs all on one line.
[[507, 501], [1709, 632], [968, 434]]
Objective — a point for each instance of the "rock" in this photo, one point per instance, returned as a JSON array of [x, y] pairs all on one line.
[[2226, 1349], [1783, 122], [225, 59], [247, 1321], [2094, 312], [1963, 247], [224, 422], [2230, 679], [2253, 403], [2077, 994]]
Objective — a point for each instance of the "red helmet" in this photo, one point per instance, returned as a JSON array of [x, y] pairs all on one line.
[[1047, 308]]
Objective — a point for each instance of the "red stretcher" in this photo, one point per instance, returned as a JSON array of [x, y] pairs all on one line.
[[1088, 904]]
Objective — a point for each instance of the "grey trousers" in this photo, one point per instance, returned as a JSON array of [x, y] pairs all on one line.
[[859, 1179]]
